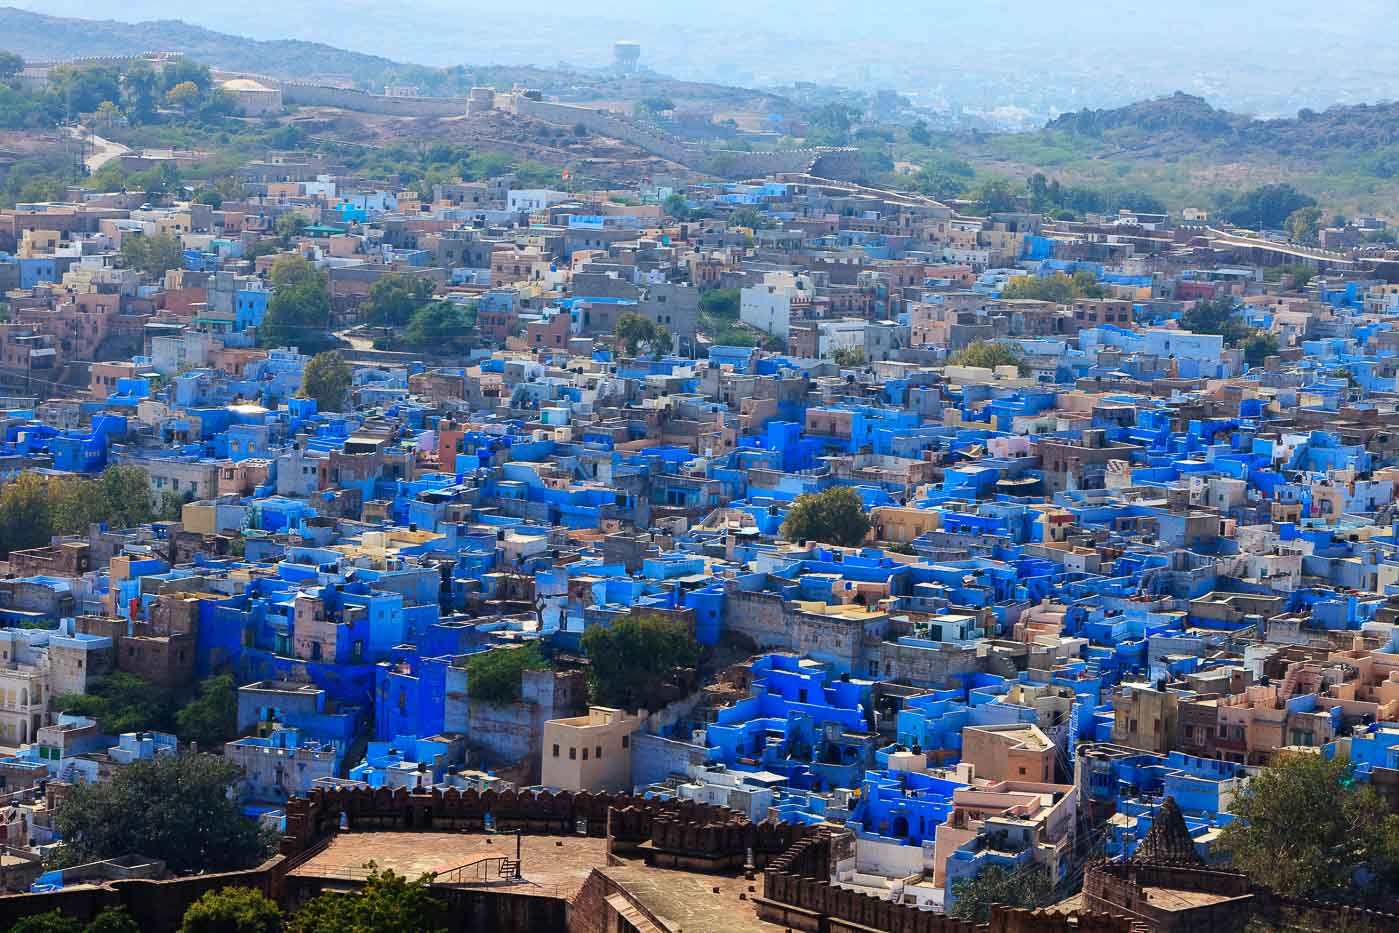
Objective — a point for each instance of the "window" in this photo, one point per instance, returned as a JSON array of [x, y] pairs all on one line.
[[626, 739], [573, 754], [597, 751], [556, 751], [585, 753]]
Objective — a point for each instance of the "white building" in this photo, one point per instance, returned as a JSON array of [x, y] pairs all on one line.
[[529, 200], [769, 305]]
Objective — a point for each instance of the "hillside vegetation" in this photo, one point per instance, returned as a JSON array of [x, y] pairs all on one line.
[[1181, 151]]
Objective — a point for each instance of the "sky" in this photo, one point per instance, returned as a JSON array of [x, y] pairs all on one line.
[[1268, 57]]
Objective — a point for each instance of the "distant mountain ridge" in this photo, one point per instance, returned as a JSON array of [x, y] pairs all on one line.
[[38, 37], [1183, 122]]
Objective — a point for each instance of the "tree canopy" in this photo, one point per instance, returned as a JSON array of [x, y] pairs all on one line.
[[394, 298], [232, 910], [153, 255], [989, 354], [388, 903], [1304, 827], [1267, 206], [174, 808], [1304, 225], [494, 676], [439, 325], [211, 717], [327, 379], [1026, 886], [993, 196], [634, 331], [1217, 315], [633, 660], [298, 314], [34, 508], [833, 516], [1059, 287]]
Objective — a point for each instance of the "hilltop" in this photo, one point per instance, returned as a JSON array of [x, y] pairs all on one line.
[[1184, 123], [1183, 150], [41, 37], [37, 36]]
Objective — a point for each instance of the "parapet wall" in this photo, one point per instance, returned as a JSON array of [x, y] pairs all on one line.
[[682, 827], [797, 894], [606, 123], [320, 95], [154, 905]]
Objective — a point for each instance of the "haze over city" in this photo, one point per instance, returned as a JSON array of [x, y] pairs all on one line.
[[724, 468], [1268, 58]]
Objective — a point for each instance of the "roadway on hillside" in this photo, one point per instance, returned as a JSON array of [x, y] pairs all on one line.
[[100, 151]]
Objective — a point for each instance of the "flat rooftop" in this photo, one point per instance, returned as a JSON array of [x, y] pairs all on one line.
[[555, 866], [552, 866]]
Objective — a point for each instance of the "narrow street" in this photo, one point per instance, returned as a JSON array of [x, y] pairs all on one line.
[[101, 151]]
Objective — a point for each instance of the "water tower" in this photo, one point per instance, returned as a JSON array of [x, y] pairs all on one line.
[[625, 56]]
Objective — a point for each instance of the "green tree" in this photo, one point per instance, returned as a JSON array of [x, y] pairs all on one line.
[[184, 97], [1026, 886], [187, 70], [989, 354], [721, 303], [749, 217], [633, 331], [632, 661], [1267, 206], [388, 903], [10, 64], [833, 516], [113, 920], [106, 115], [211, 718], [122, 702], [1060, 288], [153, 255], [848, 356], [82, 88], [1038, 188], [993, 196], [440, 325], [289, 225], [298, 314], [676, 206], [120, 498], [232, 910], [26, 519], [52, 922], [830, 125], [174, 808], [1216, 316], [940, 183], [653, 107], [493, 676], [1304, 827], [327, 380], [141, 92], [394, 297], [1304, 225], [1259, 347], [918, 133]]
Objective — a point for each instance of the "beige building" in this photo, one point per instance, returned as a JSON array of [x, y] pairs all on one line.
[[591, 752], [1016, 752], [254, 99]]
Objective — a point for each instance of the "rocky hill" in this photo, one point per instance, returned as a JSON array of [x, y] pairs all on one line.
[[1184, 124], [38, 37]]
